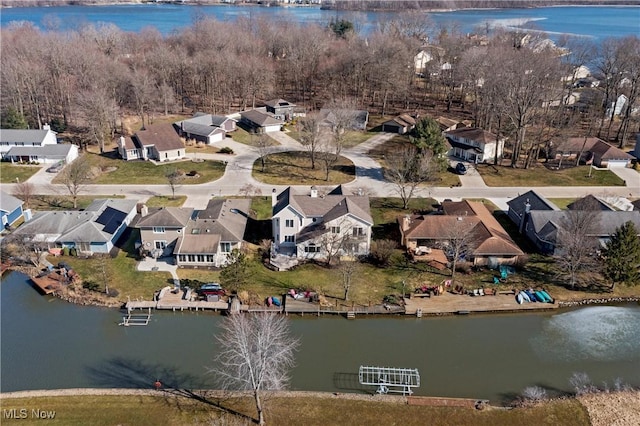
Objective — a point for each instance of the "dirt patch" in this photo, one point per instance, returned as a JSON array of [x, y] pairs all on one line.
[[613, 409]]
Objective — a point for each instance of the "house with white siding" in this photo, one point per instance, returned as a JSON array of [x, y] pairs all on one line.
[[474, 144], [158, 142]]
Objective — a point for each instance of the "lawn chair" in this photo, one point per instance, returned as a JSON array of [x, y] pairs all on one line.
[[496, 280]]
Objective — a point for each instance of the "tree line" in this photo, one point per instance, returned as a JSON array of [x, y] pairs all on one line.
[[514, 84]]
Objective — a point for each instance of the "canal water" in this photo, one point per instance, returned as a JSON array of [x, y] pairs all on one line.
[[47, 343]]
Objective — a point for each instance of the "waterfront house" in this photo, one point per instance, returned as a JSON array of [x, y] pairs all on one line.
[[404, 123], [161, 228], [213, 233], [259, 121], [10, 138], [319, 225], [474, 144], [592, 150], [539, 220], [93, 230], [158, 142], [10, 209], [488, 243], [205, 128]]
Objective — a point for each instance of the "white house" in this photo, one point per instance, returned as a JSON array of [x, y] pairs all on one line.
[[47, 154], [474, 144], [206, 128], [316, 225], [10, 138], [158, 142]]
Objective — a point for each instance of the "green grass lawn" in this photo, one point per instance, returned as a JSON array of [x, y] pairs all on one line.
[[144, 172], [562, 203], [169, 410], [541, 176], [9, 172], [166, 201], [294, 168], [200, 148], [242, 135], [63, 202]]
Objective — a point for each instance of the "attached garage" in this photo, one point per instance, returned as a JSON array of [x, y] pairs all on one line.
[[46, 154]]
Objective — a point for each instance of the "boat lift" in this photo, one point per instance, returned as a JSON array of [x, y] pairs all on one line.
[[389, 379], [132, 319]]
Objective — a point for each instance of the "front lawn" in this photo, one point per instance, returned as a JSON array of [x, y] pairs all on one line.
[[10, 172], [166, 201], [242, 135], [63, 202], [541, 176], [120, 172], [294, 168]]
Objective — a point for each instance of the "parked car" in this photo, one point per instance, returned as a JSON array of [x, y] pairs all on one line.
[[461, 169], [211, 288], [55, 168]]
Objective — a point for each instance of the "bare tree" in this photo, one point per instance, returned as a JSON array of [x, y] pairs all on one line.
[[348, 269], [24, 191], [335, 239], [461, 241], [256, 353], [575, 245], [99, 111], [310, 131], [174, 177], [407, 169], [262, 146], [75, 176]]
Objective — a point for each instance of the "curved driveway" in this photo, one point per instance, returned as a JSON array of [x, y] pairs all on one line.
[[369, 179]]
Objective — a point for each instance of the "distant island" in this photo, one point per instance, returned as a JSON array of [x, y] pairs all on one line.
[[357, 5]]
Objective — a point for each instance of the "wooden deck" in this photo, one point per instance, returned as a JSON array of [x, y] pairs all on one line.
[[46, 285], [175, 302], [448, 303]]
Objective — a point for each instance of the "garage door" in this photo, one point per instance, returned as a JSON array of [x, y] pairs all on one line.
[[618, 163]]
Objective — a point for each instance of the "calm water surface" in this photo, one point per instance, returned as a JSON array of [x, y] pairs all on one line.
[[595, 22], [47, 343]]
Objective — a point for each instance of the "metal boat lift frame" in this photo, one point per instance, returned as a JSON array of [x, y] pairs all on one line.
[[390, 379]]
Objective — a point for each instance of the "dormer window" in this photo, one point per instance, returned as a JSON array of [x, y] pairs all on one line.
[[158, 230]]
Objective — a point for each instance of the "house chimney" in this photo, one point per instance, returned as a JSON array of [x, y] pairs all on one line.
[[314, 192], [523, 218], [406, 222], [121, 141], [274, 197], [527, 206], [143, 209], [46, 126]]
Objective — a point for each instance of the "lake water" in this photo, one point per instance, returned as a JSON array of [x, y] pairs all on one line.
[[595, 22], [47, 344]]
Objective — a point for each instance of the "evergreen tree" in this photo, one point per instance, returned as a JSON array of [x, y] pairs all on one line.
[[622, 255], [428, 137], [236, 273], [12, 119]]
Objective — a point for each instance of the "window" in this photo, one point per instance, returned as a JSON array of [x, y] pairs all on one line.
[[289, 223], [312, 248], [225, 247], [192, 258], [158, 229], [160, 244], [335, 229], [210, 258], [358, 232], [289, 239]]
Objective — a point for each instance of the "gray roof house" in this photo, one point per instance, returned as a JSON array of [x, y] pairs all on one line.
[[205, 128], [47, 154], [358, 118], [213, 233], [161, 228], [93, 230], [281, 109], [318, 225], [539, 220], [26, 137], [10, 209]]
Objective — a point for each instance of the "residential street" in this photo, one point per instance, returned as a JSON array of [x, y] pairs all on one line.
[[369, 179]]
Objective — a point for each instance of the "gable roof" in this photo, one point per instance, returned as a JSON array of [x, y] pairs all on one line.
[[590, 200], [536, 202], [205, 119], [162, 136], [260, 118], [404, 120], [23, 135], [221, 221], [330, 206], [489, 237], [59, 150], [546, 223], [168, 217], [595, 145], [279, 103], [359, 117], [9, 203], [199, 129], [473, 134]]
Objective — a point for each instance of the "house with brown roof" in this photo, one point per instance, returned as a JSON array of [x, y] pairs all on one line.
[[158, 142], [319, 225], [591, 151], [260, 121], [474, 144], [488, 243], [404, 123], [213, 233]]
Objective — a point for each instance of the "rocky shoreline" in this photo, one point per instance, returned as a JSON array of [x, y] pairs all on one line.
[[600, 301]]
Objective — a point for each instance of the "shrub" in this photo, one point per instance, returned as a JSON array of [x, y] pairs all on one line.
[[534, 393], [65, 251], [90, 285], [226, 150], [581, 383], [381, 252], [73, 251]]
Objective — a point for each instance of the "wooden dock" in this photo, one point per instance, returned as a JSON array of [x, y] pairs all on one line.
[[176, 302], [46, 284], [448, 303], [133, 319]]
